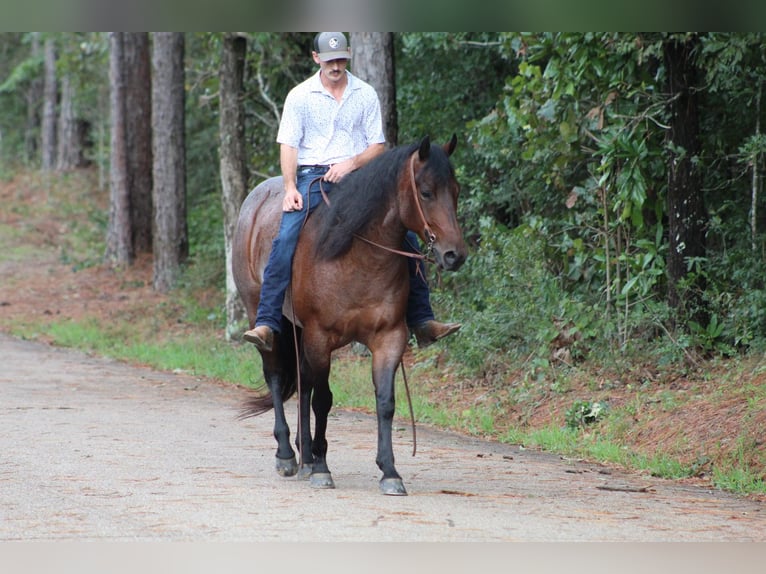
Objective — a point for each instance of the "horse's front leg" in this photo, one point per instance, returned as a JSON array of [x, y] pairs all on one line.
[[384, 365], [303, 437]]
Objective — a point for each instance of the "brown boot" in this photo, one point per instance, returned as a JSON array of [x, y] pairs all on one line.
[[261, 336], [431, 331]]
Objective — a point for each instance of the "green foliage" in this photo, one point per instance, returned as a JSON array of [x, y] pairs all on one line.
[[708, 336], [583, 413], [25, 72], [736, 297], [575, 148], [432, 72], [515, 307]]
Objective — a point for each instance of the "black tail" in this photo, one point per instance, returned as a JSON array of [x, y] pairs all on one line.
[[279, 365], [256, 405]]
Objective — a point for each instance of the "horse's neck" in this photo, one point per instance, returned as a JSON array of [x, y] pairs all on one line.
[[386, 236]]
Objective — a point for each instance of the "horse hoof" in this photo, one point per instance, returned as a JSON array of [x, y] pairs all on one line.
[[392, 487], [322, 480], [304, 472], [286, 466]]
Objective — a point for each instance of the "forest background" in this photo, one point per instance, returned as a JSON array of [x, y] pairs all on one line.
[[612, 191]]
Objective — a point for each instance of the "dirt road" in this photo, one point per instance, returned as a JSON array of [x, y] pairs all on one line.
[[93, 449]]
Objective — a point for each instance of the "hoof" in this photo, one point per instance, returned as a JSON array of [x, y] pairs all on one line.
[[286, 466], [392, 487], [304, 472], [321, 480]]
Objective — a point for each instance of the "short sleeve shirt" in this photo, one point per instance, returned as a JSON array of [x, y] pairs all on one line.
[[326, 131]]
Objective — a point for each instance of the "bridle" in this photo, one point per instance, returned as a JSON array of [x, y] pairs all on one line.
[[427, 233]]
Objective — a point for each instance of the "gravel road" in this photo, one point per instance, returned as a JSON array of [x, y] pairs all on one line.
[[94, 449]]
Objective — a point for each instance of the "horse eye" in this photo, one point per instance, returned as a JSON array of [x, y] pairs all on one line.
[[426, 193]]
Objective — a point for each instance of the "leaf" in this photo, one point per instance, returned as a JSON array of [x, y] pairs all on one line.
[[24, 72], [629, 285], [548, 110]]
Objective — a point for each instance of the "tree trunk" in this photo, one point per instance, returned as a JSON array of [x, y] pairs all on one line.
[[169, 172], [34, 97], [755, 188], [138, 134], [50, 96], [119, 247], [687, 218], [234, 173], [373, 62], [70, 133]]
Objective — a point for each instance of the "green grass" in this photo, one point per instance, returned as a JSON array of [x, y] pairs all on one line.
[[740, 480]]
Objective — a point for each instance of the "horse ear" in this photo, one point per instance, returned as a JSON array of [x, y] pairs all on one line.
[[425, 148], [450, 147]]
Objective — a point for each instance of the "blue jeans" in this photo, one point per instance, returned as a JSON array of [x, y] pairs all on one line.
[[278, 271]]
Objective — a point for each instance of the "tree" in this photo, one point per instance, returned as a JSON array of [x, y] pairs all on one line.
[[687, 218], [71, 129], [138, 138], [233, 166], [34, 96], [373, 61], [119, 247], [171, 245], [50, 101], [130, 214]]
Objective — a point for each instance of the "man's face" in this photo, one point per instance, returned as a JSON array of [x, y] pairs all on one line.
[[332, 70]]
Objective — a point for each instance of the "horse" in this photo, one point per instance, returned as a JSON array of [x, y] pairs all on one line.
[[349, 283]]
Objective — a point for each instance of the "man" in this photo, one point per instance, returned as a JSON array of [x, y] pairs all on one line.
[[331, 125]]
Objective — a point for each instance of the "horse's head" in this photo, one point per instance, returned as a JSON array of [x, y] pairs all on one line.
[[428, 195]]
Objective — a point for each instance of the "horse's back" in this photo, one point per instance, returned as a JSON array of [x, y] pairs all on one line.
[[257, 226]]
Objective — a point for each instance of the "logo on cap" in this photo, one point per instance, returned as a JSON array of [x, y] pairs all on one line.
[[331, 46]]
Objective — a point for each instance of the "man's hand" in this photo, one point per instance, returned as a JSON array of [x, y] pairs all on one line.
[[339, 170], [292, 200]]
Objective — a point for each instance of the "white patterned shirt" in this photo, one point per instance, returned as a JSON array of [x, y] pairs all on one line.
[[326, 131]]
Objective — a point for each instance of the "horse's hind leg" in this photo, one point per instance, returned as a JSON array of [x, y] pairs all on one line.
[[286, 463], [276, 378]]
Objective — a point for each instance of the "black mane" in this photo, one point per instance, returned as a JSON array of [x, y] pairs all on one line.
[[357, 200]]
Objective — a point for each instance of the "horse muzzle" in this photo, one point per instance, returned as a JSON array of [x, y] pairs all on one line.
[[451, 259]]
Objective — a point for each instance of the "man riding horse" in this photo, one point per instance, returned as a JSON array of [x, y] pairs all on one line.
[[331, 125]]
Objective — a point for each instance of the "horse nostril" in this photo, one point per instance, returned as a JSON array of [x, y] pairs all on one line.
[[453, 260]]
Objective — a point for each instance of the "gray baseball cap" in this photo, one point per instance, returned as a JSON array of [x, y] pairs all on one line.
[[331, 46]]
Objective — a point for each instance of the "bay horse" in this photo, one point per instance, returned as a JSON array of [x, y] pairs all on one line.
[[350, 283]]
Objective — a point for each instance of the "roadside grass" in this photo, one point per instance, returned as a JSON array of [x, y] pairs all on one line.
[[202, 354], [738, 480]]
